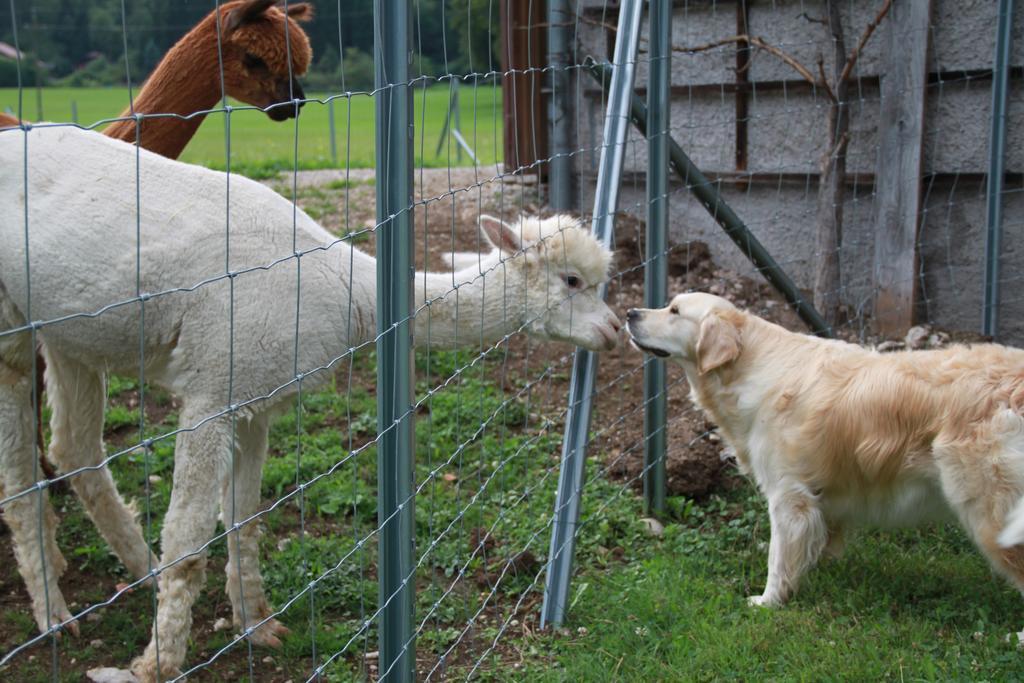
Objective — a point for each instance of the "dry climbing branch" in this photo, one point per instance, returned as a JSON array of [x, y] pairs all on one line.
[[864, 37], [757, 42]]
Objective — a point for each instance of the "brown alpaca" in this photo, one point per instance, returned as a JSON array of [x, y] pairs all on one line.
[[187, 80], [254, 52]]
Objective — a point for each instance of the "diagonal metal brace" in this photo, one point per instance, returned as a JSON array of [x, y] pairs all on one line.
[[709, 197]]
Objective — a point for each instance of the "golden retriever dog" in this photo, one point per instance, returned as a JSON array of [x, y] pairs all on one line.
[[836, 435]]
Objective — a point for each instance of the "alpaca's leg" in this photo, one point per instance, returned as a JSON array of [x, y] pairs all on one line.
[[77, 396], [240, 498], [799, 535], [32, 520], [200, 461]]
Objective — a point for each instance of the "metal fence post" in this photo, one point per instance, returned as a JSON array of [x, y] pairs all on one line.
[[584, 369], [656, 258], [330, 124], [394, 158], [559, 111], [997, 144]]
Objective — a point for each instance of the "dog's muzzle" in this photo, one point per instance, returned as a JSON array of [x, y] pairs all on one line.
[[633, 317], [648, 349]]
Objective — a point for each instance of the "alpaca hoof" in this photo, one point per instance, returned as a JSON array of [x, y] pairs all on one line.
[[268, 634], [763, 601], [73, 628], [144, 671], [59, 614]]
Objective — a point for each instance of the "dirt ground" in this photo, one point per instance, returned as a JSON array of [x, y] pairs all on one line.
[[448, 204]]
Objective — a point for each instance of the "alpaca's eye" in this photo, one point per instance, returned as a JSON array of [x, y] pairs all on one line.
[[572, 281], [251, 61], [674, 310]]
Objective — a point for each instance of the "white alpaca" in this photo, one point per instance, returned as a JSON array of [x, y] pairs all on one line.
[[90, 245]]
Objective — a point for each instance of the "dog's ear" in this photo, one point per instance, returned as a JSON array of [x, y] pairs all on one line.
[[718, 343]]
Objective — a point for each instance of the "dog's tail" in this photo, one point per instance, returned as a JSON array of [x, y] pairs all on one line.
[[1013, 527]]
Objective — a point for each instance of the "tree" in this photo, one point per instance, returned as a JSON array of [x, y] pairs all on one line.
[[832, 165]]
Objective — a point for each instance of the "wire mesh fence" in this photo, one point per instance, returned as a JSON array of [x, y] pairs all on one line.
[[345, 369]]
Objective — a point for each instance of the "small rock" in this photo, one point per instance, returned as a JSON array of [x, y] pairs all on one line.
[[917, 336], [374, 654], [582, 630], [938, 340], [1020, 639], [93, 616], [888, 346], [449, 477], [268, 660], [107, 674], [222, 624], [653, 527], [96, 643], [283, 543], [713, 437], [155, 479]]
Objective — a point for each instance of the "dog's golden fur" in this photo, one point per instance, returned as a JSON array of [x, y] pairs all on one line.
[[835, 434]]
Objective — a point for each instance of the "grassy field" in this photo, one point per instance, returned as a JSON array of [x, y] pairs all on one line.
[[916, 605], [903, 606], [261, 146], [482, 462]]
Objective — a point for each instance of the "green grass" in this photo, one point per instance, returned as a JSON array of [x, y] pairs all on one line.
[[902, 606], [501, 478], [261, 147]]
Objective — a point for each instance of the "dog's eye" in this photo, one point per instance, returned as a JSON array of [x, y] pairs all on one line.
[[572, 281], [251, 61]]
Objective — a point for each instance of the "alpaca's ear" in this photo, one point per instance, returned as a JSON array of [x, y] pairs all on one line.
[[245, 13], [300, 11], [500, 234], [718, 343]]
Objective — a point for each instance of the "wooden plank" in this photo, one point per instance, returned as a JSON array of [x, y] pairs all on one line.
[[864, 82], [523, 58], [898, 187]]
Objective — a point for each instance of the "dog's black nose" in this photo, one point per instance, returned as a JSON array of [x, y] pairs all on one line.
[[632, 314]]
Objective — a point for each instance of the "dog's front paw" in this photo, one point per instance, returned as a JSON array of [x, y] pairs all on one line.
[[763, 601]]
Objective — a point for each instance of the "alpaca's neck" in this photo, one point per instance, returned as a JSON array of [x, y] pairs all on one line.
[[185, 81], [480, 310]]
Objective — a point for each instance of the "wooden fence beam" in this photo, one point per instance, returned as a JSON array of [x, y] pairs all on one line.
[[898, 177]]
